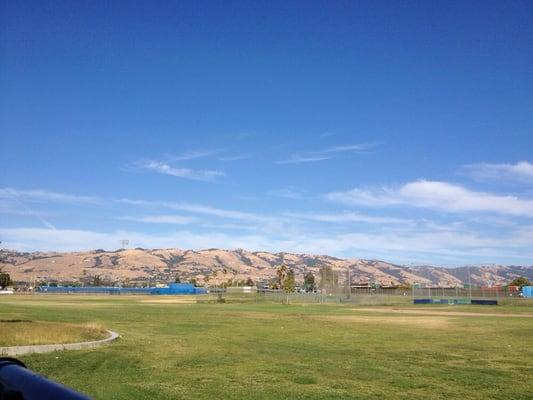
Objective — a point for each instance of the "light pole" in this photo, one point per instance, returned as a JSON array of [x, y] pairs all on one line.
[[469, 284], [349, 279]]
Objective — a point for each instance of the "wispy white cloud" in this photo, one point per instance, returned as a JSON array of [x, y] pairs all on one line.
[[288, 193], [186, 173], [9, 207], [40, 195], [162, 219], [521, 171], [414, 245], [16, 202], [45, 222], [215, 154], [349, 217], [31, 239], [235, 158], [23, 209], [200, 209], [297, 159], [395, 238], [328, 153], [339, 233], [441, 196], [190, 220], [347, 148], [192, 155]]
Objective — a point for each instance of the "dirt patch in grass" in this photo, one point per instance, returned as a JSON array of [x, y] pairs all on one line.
[[258, 315], [439, 312], [169, 301], [26, 333], [419, 322]]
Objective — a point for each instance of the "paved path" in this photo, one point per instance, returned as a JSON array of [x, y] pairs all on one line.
[[47, 348]]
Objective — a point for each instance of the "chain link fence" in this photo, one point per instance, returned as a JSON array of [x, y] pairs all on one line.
[[366, 296]]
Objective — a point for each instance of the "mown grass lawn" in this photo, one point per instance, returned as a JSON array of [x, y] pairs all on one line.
[[274, 351]]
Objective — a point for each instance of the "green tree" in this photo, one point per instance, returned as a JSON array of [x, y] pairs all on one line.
[[177, 279], [273, 285], [309, 282], [521, 281], [5, 279], [228, 283], [96, 281], [404, 286], [192, 281], [281, 273], [249, 282], [288, 284]]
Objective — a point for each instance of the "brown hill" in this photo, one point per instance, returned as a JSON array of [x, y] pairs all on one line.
[[216, 266]]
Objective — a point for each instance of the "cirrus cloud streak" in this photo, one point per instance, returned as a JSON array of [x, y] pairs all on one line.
[[186, 173], [521, 171], [442, 196]]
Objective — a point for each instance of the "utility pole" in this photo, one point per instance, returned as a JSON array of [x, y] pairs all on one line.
[[429, 282]]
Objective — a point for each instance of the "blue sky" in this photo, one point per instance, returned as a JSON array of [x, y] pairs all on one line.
[[393, 130]]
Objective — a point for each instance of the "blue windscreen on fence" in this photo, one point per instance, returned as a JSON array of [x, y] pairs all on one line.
[[174, 288], [455, 301]]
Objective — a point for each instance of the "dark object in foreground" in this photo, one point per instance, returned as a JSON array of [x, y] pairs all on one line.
[[19, 383]]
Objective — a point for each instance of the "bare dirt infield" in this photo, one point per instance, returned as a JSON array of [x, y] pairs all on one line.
[[418, 322], [439, 312]]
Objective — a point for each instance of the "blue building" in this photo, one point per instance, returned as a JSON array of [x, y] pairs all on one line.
[[527, 291]]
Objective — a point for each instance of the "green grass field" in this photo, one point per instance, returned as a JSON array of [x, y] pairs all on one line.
[[171, 350]]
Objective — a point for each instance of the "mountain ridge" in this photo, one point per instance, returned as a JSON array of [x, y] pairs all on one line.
[[216, 266]]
